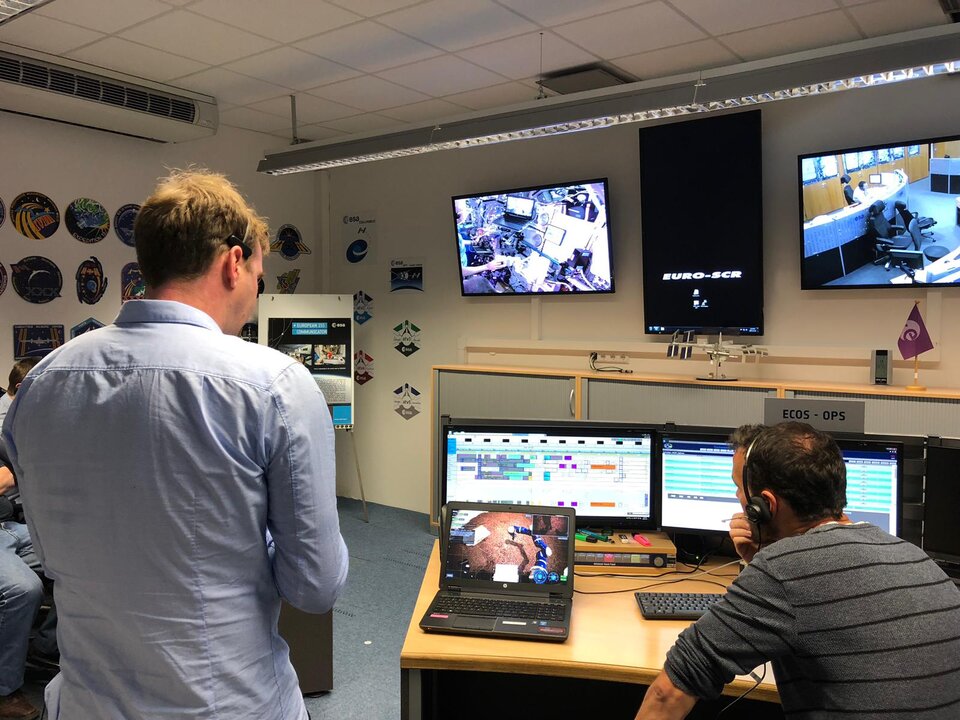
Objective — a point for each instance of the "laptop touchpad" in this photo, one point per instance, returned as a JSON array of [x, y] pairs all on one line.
[[474, 623]]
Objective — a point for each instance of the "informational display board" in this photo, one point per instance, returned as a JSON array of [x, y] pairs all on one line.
[[316, 330]]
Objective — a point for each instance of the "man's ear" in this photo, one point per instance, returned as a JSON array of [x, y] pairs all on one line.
[[773, 502], [230, 267]]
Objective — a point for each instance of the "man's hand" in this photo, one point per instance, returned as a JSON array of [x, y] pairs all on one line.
[[665, 701], [7, 480], [743, 533]]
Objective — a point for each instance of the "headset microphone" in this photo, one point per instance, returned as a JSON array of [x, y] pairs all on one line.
[[757, 509]]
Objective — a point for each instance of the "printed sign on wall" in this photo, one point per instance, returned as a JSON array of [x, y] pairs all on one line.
[[406, 401], [359, 233], [132, 286], [87, 220], [362, 367], [91, 282], [30, 341], [37, 279], [406, 274], [34, 215], [123, 223], [85, 327], [362, 307], [288, 281], [406, 338], [288, 243]]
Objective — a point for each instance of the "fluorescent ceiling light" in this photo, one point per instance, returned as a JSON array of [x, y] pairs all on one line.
[[866, 63], [9, 9]]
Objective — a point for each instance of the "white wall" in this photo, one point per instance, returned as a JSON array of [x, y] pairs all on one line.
[[66, 162], [816, 335]]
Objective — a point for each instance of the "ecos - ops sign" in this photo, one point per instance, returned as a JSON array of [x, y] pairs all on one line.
[[827, 415]]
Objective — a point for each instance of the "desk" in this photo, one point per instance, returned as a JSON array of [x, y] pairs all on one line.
[[609, 641], [946, 270]]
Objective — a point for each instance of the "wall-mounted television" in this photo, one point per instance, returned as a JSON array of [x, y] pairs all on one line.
[[545, 239], [702, 222], [880, 216]]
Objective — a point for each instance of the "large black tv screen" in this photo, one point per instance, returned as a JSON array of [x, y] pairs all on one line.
[[545, 239], [880, 216], [702, 222]]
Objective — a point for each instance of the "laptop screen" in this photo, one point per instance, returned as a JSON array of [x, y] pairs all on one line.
[[521, 207], [515, 549]]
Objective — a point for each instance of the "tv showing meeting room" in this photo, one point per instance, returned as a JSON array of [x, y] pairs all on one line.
[[881, 215], [701, 200], [546, 239]]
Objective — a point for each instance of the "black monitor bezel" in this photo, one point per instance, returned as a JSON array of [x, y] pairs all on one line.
[[575, 427], [936, 554], [707, 434], [853, 441], [804, 283], [543, 186]]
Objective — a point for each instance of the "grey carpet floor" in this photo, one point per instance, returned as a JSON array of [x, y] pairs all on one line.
[[388, 557]]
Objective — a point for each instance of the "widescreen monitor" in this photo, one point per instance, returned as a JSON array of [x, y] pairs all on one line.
[[697, 492], [941, 498], [861, 237], [701, 201], [603, 471], [546, 239]]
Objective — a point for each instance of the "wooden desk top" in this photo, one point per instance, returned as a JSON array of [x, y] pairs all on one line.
[[609, 639]]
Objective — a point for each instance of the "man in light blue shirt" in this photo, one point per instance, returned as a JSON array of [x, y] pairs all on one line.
[[179, 482]]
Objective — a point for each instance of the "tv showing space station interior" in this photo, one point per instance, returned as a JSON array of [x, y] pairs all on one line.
[[551, 239], [880, 216], [701, 201]]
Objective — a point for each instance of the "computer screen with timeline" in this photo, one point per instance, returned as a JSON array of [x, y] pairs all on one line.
[[697, 493], [602, 471]]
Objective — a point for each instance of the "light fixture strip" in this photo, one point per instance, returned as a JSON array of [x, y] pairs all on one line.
[[563, 128], [9, 9]]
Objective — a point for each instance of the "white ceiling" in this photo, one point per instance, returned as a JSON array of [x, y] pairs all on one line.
[[358, 66]]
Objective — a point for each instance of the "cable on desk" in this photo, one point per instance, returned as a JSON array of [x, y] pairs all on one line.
[[662, 582], [746, 692], [607, 368]]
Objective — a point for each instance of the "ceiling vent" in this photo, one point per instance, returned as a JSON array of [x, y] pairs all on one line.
[[84, 95], [588, 77]]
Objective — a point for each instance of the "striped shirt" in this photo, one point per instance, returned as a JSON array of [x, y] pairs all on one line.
[[855, 622]]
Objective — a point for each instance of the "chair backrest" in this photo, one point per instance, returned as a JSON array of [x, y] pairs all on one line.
[[877, 222], [848, 194], [913, 227], [904, 214]]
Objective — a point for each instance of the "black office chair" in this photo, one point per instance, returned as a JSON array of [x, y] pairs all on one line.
[[877, 224], [894, 247], [906, 216]]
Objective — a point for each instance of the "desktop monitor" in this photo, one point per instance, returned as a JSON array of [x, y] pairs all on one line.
[[602, 470], [941, 540], [546, 239], [697, 494]]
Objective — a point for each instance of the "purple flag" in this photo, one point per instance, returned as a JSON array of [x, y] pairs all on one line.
[[914, 338]]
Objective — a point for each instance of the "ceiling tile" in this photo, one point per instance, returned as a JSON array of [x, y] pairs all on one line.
[[720, 18], [371, 8], [428, 110], [91, 14], [519, 57], [457, 24], [310, 109], [362, 123], [496, 96], [636, 29], [45, 34], [230, 87], [700, 55], [369, 93], [292, 68], [133, 59], [196, 37], [802, 34], [253, 120], [892, 16], [556, 12], [282, 20], [442, 76], [368, 46]]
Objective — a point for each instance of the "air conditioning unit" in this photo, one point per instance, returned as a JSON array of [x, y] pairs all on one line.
[[54, 88]]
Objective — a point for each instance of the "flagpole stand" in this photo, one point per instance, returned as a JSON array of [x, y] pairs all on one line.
[[916, 387]]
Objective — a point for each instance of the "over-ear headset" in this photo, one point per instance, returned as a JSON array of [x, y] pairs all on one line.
[[757, 509]]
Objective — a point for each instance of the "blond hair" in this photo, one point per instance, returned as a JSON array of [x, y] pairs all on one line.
[[185, 223]]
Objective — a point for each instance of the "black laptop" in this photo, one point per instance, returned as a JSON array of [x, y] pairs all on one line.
[[517, 212], [505, 571]]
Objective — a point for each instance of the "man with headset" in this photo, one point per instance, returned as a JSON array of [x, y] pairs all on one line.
[[855, 622]]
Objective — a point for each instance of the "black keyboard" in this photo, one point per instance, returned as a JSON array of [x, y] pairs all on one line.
[[488, 607], [675, 606]]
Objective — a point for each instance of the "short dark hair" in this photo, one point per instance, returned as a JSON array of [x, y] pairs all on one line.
[[744, 435], [18, 372], [803, 466], [185, 223], [844, 179]]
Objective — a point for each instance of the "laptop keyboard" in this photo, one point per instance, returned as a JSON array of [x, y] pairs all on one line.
[[487, 607], [675, 606]]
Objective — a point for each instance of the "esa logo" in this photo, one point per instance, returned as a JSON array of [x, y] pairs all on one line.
[[715, 275]]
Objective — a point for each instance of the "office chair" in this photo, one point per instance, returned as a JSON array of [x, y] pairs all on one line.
[[906, 216], [891, 244]]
